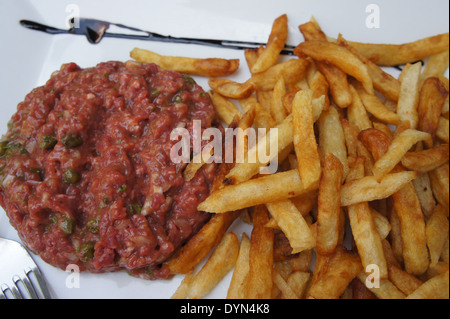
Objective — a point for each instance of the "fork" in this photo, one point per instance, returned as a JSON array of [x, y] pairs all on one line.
[[19, 274]]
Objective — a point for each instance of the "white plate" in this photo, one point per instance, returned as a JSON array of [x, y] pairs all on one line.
[[28, 58]]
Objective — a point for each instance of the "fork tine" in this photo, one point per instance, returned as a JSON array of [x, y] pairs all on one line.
[[14, 289], [28, 284], [41, 282]]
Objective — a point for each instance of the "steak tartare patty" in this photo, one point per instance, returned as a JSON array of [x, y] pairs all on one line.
[[85, 171]]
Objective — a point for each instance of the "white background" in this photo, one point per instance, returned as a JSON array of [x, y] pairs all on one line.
[[28, 58]]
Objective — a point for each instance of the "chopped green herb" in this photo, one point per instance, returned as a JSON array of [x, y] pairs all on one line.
[[123, 188]]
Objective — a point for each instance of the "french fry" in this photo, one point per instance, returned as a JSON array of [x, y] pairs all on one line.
[[437, 232], [318, 84], [221, 261], [263, 119], [286, 291], [256, 191], [443, 129], [367, 189], [329, 205], [212, 67], [434, 288], [398, 148], [422, 185], [432, 97], [365, 233], [407, 206], [360, 291], [408, 99], [426, 160], [277, 139], [385, 290], [435, 65], [231, 89], [375, 106], [381, 222], [226, 110], [298, 282], [399, 54], [338, 56], [383, 82], [333, 274], [251, 56], [183, 290], [305, 144], [292, 71], [275, 45], [238, 282], [439, 183], [336, 78], [188, 256], [259, 283], [332, 138], [293, 225], [357, 113], [276, 106]]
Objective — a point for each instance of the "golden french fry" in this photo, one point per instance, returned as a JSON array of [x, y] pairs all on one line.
[[263, 119], [256, 191], [332, 138], [385, 290], [365, 233], [357, 113], [238, 282], [383, 82], [183, 289], [375, 106], [188, 256], [251, 56], [434, 288], [318, 84], [360, 291], [226, 110], [333, 273], [286, 291], [408, 99], [329, 205], [275, 45], [398, 54], [298, 282], [382, 224], [275, 141], [367, 189], [305, 144], [221, 261], [276, 106], [437, 232], [338, 56], [293, 225], [231, 89], [259, 283], [422, 185], [435, 65], [442, 130], [211, 67], [197, 162], [292, 71], [426, 160], [432, 97], [398, 148], [439, 183]]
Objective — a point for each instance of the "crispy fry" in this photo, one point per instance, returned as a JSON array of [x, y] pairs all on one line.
[[238, 282], [275, 45], [408, 99], [201, 243], [357, 113], [386, 289], [435, 65], [256, 191], [426, 160], [443, 129], [398, 148], [211, 67], [439, 183], [398, 54], [422, 184], [231, 89], [305, 144], [276, 106], [221, 261], [432, 97], [338, 56], [263, 118], [183, 290], [367, 189], [293, 225], [292, 71], [437, 233], [333, 274], [259, 284], [329, 205], [224, 107], [298, 281], [435, 288]]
